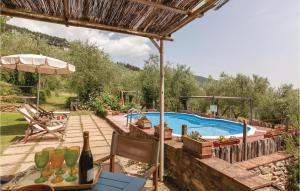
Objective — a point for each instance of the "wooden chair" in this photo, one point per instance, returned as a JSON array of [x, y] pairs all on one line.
[[140, 150], [40, 126]]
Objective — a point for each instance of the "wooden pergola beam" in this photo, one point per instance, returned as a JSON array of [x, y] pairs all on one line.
[[162, 6], [77, 23], [197, 13]]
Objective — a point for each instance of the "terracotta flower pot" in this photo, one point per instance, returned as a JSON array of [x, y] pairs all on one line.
[[272, 134], [226, 143], [167, 132], [144, 124], [198, 148], [115, 112]]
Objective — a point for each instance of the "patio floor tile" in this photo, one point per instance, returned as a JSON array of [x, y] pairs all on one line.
[[100, 150], [74, 134], [11, 159], [72, 144], [73, 139], [25, 166], [98, 143], [17, 150], [29, 158], [7, 170], [39, 147], [98, 138]]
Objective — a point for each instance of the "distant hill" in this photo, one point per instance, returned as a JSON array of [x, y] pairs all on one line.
[[52, 40], [129, 66], [201, 79]]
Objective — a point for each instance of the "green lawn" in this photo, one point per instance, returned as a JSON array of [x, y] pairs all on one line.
[[56, 102], [13, 124]]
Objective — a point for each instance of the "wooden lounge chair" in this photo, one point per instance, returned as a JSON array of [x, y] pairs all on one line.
[[140, 150], [49, 114], [41, 127]]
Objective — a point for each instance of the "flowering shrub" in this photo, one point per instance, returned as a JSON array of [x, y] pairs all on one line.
[[101, 102]]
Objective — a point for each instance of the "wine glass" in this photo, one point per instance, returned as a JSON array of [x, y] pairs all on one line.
[[48, 170], [41, 160], [75, 169], [56, 162], [61, 171], [71, 157]]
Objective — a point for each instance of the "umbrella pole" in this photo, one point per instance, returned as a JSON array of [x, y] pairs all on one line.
[[38, 93]]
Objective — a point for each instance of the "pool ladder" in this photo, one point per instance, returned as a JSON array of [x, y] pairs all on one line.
[[130, 112]]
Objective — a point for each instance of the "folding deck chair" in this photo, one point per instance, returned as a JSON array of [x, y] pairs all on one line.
[[40, 127]]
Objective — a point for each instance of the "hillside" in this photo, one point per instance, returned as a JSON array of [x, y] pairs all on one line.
[[52, 40], [201, 79], [62, 42]]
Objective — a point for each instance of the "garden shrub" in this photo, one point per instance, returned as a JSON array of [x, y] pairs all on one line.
[[8, 89], [43, 96], [293, 173], [47, 92], [100, 111], [291, 144], [104, 99], [127, 106]]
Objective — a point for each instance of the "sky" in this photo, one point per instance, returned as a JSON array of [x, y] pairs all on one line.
[[248, 37]]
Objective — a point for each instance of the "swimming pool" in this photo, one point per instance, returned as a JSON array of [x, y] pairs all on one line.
[[208, 128]]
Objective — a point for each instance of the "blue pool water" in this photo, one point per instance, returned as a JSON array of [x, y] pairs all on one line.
[[206, 127]]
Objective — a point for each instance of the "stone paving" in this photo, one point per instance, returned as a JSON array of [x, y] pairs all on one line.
[[19, 156]]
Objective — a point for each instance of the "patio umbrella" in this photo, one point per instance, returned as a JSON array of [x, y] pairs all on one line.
[[36, 64]]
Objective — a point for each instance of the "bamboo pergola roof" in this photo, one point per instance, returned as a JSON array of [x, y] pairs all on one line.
[[156, 19]]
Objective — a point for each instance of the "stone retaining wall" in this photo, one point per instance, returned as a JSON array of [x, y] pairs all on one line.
[[191, 174], [276, 172]]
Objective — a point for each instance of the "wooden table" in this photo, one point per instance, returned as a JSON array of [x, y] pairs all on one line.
[[118, 182]]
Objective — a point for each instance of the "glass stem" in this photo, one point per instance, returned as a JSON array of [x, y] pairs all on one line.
[[41, 173], [72, 170]]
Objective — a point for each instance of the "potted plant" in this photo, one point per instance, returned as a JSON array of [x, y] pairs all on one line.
[[272, 133], [290, 130], [115, 112], [222, 141], [143, 122], [167, 131], [195, 145]]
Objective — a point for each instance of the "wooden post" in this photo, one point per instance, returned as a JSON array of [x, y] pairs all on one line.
[[184, 130], [162, 110], [38, 93], [160, 48], [251, 111], [286, 122], [244, 141]]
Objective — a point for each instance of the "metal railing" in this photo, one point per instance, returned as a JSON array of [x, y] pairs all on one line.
[[130, 112]]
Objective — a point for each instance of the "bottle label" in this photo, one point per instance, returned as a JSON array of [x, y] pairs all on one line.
[[90, 175]]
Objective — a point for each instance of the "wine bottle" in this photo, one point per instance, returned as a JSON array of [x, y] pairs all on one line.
[[86, 167]]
